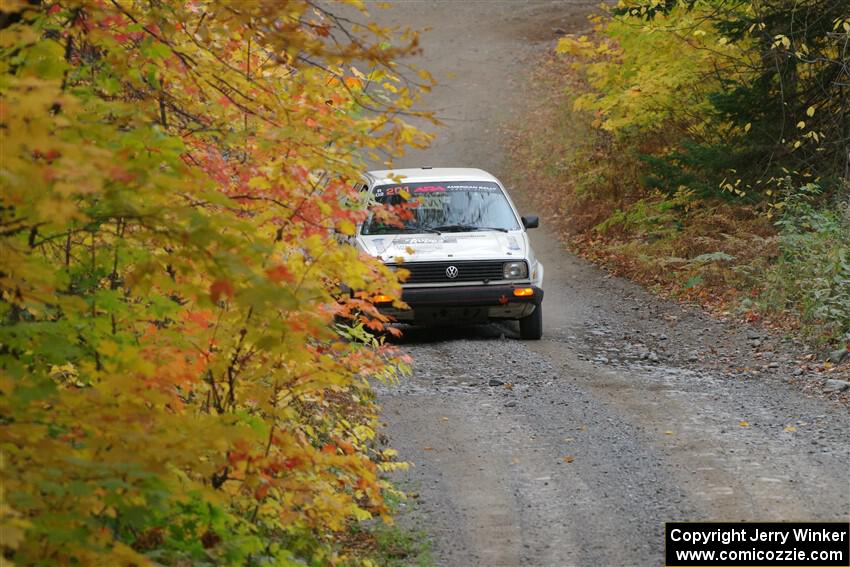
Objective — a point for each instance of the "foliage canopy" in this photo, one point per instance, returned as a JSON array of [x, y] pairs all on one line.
[[736, 94], [688, 136], [176, 193]]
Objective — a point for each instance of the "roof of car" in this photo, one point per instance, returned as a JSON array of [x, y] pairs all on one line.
[[414, 175]]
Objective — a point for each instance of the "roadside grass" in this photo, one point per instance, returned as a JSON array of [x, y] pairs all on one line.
[[391, 545], [382, 540], [789, 269]]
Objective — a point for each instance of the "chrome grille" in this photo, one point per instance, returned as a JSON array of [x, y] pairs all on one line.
[[468, 271]]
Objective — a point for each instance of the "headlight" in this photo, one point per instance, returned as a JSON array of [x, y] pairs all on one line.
[[515, 270]]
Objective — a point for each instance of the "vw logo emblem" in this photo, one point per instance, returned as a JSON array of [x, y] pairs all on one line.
[[451, 272]]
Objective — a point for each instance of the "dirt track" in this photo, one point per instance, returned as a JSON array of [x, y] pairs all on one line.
[[636, 392]]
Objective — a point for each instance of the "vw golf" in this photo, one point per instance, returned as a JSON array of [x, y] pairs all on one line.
[[464, 244]]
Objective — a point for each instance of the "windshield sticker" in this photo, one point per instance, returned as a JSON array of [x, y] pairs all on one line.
[[408, 240], [388, 191], [426, 188], [480, 188], [429, 189]]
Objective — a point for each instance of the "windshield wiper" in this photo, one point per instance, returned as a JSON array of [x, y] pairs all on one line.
[[467, 228]]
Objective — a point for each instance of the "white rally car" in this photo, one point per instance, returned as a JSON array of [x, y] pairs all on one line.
[[466, 248]]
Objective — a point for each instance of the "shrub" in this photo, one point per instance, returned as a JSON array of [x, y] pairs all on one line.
[[812, 273]]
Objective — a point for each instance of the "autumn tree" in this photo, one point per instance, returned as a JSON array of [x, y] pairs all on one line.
[[175, 382], [737, 94], [711, 153]]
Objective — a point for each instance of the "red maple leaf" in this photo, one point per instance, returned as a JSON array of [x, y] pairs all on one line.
[[219, 288], [280, 273]]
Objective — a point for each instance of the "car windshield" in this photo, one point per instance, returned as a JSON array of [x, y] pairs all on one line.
[[455, 206]]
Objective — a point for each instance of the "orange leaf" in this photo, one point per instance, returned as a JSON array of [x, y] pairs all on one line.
[[352, 82], [261, 491], [279, 274], [219, 288]]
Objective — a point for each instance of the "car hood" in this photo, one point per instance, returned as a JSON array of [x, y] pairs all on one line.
[[481, 245]]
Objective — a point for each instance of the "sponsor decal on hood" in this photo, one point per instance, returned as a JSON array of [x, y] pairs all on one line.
[[424, 247]]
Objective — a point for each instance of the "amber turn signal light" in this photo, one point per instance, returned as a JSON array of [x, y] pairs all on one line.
[[523, 292], [382, 299]]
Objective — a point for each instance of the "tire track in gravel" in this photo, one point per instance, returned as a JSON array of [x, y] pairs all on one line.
[[636, 389]]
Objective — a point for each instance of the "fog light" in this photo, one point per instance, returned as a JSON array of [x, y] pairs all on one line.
[[523, 292], [382, 299]]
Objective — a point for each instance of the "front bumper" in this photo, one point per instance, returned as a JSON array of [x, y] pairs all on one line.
[[468, 296], [475, 303]]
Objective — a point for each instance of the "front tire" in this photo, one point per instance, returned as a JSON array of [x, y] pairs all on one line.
[[531, 327]]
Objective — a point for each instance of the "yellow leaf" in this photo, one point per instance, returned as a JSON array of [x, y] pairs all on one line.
[[58, 210], [801, 124], [790, 428], [12, 5], [810, 111], [568, 45], [748, 126], [13, 535], [108, 348], [346, 227], [744, 423], [569, 459], [259, 183]]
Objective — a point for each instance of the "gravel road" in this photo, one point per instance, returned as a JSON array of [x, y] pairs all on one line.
[[632, 410]]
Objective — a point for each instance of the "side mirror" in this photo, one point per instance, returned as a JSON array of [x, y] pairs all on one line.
[[531, 221]]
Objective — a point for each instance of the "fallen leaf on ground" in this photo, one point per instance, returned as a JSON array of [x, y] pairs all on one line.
[[569, 459], [790, 428], [743, 423]]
